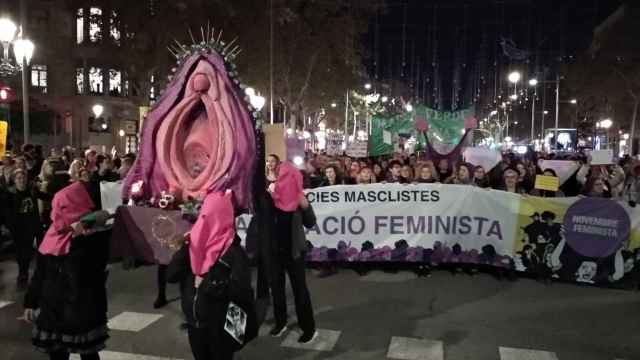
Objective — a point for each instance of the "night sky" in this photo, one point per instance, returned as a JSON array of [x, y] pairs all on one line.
[[444, 47]]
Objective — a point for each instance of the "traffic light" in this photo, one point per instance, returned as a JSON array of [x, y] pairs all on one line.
[[6, 94]]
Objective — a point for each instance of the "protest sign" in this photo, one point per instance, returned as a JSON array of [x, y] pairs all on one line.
[[357, 149], [487, 158], [563, 168], [602, 157], [547, 183], [4, 129]]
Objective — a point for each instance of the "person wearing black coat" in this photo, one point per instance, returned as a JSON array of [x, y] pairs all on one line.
[[24, 223], [281, 250], [66, 300], [206, 307]]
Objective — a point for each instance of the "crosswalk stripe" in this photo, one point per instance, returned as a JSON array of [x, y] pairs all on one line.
[[325, 341], [5, 303], [404, 348], [525, 354], [114, 355], [133, 321]]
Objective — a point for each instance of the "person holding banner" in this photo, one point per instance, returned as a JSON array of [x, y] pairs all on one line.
[[331, 177], [283, 216], [426, 175], [480, 178], [596, 186], [510, 181]]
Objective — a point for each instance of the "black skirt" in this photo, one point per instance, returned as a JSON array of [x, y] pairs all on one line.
[[69, 294]]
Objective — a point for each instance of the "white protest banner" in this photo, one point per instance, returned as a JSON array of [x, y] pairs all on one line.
[[563, 168], [434, 223], [357, 149], [602, 157], [386, 137], [111, 195], [420, 214], [334, 144], [487, 158]]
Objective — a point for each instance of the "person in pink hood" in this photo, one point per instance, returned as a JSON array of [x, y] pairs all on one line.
[[283, 211], [66, 300]]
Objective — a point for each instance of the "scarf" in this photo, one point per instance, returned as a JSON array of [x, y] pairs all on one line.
[[288, 188], [213, 232], [68, 207]]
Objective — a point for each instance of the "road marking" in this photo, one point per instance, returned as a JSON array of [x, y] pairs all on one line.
[[132, 321], [325, 341], [114, 355], [5, 303], [525, 354], [382, 277], [403, 348]]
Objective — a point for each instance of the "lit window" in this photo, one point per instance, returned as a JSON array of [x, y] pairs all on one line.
[[39, 77], [152, 91], [95, 81], [79, 81], [115, 82], [95, 24], [80, 26], [114, 30]]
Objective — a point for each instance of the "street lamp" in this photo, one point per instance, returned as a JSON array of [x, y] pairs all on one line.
[[257, 102], [573, 101], [409, 107], [606, 123], [367, 86], [514, 77], [334, 105], [121, 133], [384, 99], [22, 51], [97, 110], [533, 82], [250, 92]]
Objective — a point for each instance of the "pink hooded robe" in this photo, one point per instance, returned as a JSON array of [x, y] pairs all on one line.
[[69, 206], [213, 232], [288, 188]]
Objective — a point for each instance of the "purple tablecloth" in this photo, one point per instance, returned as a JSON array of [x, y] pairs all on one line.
[[133, 238]]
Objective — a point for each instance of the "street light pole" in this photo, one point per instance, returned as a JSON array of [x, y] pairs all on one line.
[[555, 136], [271, 61], [346, 116], [25, 84], [533, 114]]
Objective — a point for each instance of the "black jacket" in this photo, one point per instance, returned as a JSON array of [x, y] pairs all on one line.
[[229, 279], [23, 218], [70, 289]]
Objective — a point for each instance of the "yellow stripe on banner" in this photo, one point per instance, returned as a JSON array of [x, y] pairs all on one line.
[[634, 240], [4, 129], [530, 205]]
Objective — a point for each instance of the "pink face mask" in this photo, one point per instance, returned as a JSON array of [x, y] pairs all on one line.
[[288, 188], [213, 232]]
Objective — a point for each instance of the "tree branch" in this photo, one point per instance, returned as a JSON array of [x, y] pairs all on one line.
[[307, 81]]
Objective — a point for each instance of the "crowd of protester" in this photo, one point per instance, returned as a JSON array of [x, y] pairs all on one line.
[[29, 179], [514, 173], [28, 182]]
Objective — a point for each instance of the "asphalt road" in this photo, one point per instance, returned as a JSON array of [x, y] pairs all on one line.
[[380, 316]]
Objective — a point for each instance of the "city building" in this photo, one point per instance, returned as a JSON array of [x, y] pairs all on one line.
[[76, 65]]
